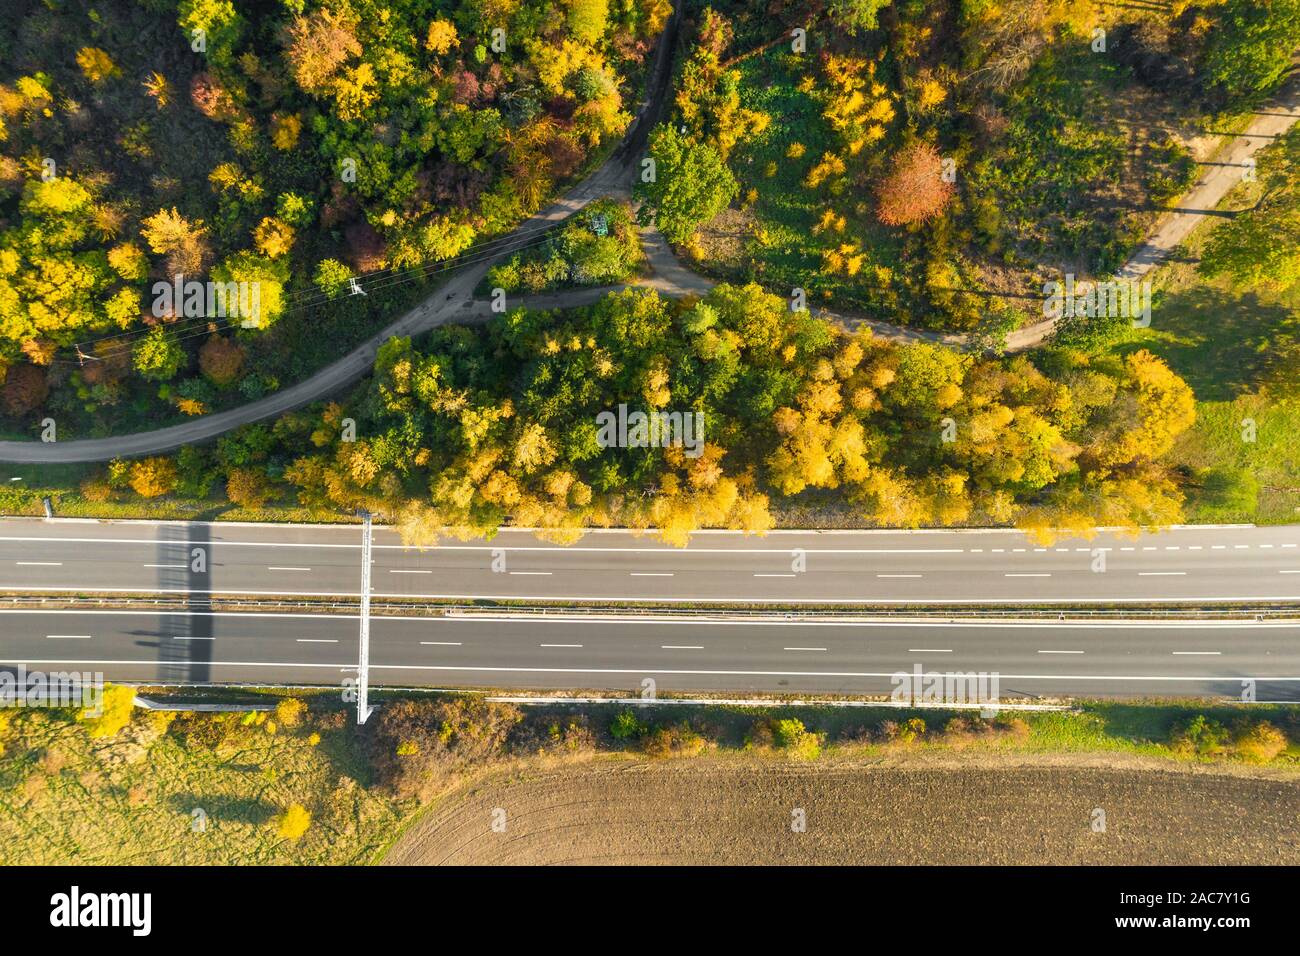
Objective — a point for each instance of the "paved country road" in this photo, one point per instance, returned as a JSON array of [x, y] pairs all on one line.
[[1050, 658], [1196, 564], [455, 301]]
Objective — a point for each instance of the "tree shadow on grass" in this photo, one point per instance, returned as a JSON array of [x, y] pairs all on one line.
[[1216, 341], [238, 809], [1143, 723]]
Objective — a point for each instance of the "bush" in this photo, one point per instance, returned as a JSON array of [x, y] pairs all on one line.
[[905, 733], [115, 712], [248, 488], [677, 740], [151, 477], [1260, 742], [415, 745], [1199, 737], [294, 822], [290, 711], [625, 726]]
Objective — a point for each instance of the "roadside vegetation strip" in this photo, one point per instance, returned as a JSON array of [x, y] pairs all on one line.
[[359, 789], [793, 614]]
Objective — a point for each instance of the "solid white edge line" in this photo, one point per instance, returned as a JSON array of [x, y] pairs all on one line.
[[1235, 678], [770, 621], [659, 600]]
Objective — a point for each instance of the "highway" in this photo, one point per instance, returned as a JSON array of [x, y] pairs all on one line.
[[611, 652], [1206, 564]]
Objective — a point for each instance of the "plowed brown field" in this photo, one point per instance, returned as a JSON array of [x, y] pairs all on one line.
[[905, 810]]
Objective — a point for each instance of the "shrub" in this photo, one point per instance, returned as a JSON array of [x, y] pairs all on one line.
[[290, 711], [294, 822], [677, 740], [625, 726], [905, 733], [248, 488], [115, 712], [436, 738], [1200, 736], [1260, 742], [789, 734], [151, 477]]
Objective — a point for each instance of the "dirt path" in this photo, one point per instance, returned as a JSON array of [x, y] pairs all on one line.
[[961, 809], [1222, 172]]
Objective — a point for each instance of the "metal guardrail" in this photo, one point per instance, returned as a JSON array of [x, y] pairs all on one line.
[[1245, 611]]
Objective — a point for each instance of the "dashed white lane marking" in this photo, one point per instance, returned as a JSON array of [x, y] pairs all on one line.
[[898, 575], [317, 640], [288, 569], [774, 575], [1289, 572], [559, 645], [400, 571], [1196, 653], [542, 573], [67, 637], [441, 643], [929, 650], [168, 567], [803, 648], [178, 638], [1060, 652], [40, 564], [1161, 574], [1027, 574], [651, 574], [681, 647]]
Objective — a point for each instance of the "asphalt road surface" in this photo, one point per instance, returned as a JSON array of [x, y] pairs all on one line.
[[1210, 564], [612, 652]]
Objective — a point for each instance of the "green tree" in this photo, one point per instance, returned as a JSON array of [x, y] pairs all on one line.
[[691, 184], [856, 15], [158, 355], [1250, 50]]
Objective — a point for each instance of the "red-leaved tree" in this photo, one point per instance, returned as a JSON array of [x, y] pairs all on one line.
[[915, 190]]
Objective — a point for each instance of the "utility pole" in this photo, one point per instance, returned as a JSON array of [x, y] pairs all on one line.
[[363, 662]]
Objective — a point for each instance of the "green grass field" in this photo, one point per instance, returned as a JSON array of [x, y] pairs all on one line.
[[1217, 337]]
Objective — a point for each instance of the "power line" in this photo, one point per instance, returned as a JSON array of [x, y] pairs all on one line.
[[514, 242]]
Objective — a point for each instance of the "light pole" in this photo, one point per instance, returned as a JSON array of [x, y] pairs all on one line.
[[363, 661]]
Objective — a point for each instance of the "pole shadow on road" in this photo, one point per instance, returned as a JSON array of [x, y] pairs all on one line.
[[186, 635]]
